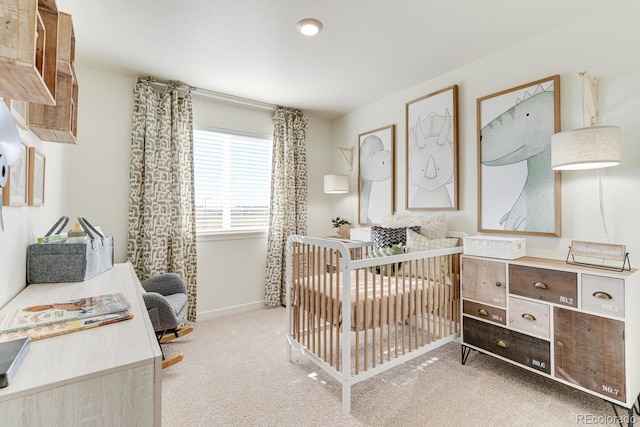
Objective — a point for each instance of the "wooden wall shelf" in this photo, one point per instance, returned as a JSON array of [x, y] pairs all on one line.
[[28, 52], [66, 44], [37, 56], [59, 123]]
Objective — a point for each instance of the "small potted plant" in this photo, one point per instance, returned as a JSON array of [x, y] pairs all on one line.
[[343, 227]]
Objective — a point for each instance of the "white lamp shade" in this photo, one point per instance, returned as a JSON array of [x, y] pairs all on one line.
[[334, 184], [586, 148]]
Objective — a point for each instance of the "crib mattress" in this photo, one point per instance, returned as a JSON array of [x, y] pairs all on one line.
[[376, 300]]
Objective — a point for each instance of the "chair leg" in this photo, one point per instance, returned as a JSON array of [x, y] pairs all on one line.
[[172, 361], [167, 362], [175, 333]]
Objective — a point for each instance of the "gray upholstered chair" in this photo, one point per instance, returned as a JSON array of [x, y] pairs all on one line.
[[166, 299]]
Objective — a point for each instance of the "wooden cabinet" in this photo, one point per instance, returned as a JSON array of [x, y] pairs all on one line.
[[569, 323], [108, 376]]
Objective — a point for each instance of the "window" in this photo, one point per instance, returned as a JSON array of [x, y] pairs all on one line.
[[232, 173]]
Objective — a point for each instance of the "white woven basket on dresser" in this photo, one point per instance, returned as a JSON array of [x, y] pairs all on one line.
[[495, 247]]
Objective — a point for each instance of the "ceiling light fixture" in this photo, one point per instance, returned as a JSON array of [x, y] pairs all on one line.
[[309, 26]]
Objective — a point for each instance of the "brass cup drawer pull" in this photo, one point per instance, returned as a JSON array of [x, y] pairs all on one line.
[[528, 316], [502, 344], [602, 295], [483, 312], [540, 285]]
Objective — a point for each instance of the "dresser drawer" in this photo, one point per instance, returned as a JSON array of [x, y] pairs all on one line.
[[559, 287], [590, 351], [604, 295], [484, 311], [484, 281], [529, 317], [520, 348]]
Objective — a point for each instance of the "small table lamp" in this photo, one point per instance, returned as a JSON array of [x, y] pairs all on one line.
[[336, 184]]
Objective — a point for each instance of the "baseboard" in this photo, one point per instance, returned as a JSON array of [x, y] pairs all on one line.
[[214, 314]]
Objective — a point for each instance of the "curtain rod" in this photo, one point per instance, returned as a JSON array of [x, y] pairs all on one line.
[[206, 93]]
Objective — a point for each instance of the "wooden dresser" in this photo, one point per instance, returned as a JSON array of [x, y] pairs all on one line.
[[105, 376], [577, 325]]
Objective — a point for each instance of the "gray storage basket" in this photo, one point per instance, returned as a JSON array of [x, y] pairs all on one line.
[[70, 262]]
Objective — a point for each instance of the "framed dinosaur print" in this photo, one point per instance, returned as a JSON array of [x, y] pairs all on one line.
[[376, 160], [518, 192], [431, 126]]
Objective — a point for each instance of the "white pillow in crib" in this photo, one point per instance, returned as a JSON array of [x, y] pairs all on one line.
[[418, 243], [431, 227]]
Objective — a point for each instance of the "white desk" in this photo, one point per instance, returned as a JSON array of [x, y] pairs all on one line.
[[105, 376]]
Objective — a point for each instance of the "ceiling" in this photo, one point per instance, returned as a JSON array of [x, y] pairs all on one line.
[[368, 49]]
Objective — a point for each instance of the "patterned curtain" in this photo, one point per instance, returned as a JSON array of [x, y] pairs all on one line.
[[162, 236], [288, 206]]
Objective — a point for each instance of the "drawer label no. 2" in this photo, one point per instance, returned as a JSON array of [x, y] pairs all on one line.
[[566, 300]]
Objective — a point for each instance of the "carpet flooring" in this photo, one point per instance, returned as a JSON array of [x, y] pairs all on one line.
[[235, 373]]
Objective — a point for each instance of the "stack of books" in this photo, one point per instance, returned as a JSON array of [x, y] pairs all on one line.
[[20, 326]]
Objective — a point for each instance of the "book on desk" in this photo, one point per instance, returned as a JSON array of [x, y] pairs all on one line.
[[59, 312], [55, 329], [12, 354]]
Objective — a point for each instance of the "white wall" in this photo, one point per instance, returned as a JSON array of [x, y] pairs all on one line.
[[605, 45], [22, 225], [99, 163], [231, 270]]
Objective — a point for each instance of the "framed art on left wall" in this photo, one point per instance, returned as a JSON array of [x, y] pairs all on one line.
[[14, 193], [37, 168], [19, 112]]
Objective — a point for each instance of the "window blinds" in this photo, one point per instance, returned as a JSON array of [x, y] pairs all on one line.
[[232, 174]]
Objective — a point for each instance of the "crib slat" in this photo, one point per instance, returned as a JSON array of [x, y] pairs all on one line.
[[331, 315], [338, 288], [358, 317]]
